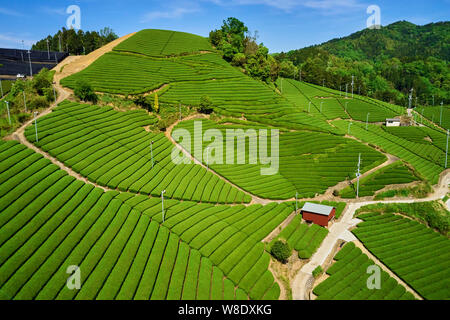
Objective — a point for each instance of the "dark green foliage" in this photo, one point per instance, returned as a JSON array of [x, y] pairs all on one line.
[[84, 91], [241, 49], [205, 105], [317, 271], [386, 63], [73, 41], [42, 81], [281, 251]]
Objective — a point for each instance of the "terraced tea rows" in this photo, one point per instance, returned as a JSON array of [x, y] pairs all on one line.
[[309, 162], [348, 279], [417, 254], [112, 149], [162, 43], [50, 221], [395, 173], [301, 237], [428, 160], [332, 105], [434, 114]]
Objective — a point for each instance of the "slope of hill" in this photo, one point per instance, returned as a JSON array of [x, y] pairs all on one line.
[[387, 62]]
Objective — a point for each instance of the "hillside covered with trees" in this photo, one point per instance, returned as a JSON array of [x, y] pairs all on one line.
[[76, 42], [386, 62]]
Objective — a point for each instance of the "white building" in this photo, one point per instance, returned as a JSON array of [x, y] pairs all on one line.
[[392, 122]]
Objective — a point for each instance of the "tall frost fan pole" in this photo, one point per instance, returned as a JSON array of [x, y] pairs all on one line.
[[54, 93], [410, 98], [348, 131], [446, 151], [151, 152], [346, 90], [29, 60], [357, 176], [35, 125], [9, 116], [48, 50], [321, 104], [1, 88], [367, 120], [162, 204], [353, 82], [309, 107], [440, 120]]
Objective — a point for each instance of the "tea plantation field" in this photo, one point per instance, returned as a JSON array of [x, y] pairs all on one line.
[[348, 279], [417, 254], [50, 221], [395, 173], [112, 149], [309, 162]]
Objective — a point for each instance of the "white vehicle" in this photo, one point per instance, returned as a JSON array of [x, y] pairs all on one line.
[[19, 75]]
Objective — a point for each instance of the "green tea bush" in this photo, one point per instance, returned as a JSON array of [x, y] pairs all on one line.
[[281, 251]]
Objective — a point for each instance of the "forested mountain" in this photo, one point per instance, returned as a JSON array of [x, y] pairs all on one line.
[[386, 62], [76, 42]]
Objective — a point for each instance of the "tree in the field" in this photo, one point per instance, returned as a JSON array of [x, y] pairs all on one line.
[[281, 251], [83, 90], [156, 104], [206, 105]]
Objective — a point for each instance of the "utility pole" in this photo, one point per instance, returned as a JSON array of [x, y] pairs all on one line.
[[440, 120], [353, 83], [54, 93], [48, 50], [446, 152], [151, 152], [29, 59], [349, 124], [162, 204], [410, 98], [367, 120], [24, 100], [357, 176], [35, 125], [9, 115]]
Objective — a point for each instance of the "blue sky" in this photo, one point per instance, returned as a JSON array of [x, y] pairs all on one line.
[[282, 25]]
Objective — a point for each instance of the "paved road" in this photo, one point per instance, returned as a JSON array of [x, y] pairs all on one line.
[[340, 230]]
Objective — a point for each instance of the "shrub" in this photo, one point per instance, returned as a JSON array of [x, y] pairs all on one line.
[[281, 251], [142, 101], [205, 105], [84, 91], [38, 102], [317, 271], [42, 80]]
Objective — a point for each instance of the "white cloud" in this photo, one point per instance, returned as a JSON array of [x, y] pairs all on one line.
[[324, 6], [15, 41], [9, 12], [54, 10], [168, 14]]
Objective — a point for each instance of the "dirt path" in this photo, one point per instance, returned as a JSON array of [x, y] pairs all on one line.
[[340, 230]]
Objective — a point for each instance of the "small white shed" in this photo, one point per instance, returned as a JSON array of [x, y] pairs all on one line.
[[392, 122]]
